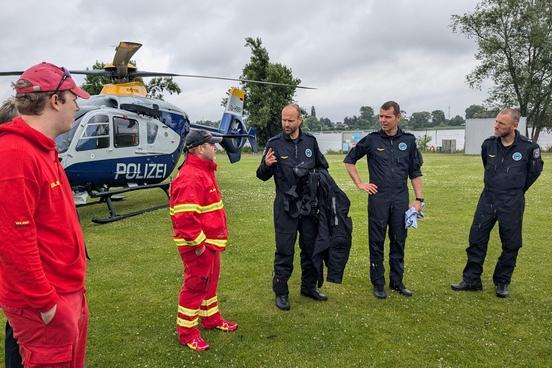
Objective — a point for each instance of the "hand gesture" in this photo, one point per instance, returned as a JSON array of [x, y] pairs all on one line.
[[270, 158]]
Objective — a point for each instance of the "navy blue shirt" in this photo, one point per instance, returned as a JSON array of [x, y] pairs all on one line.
[[302, 153], [391, 159], [513, 168]]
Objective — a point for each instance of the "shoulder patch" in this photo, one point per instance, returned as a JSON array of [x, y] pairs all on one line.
[[536, 152]]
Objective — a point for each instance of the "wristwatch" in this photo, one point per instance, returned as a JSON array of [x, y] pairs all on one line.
[[420, 200]]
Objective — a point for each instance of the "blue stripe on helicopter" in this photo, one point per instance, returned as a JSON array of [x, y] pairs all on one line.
[[121, 171]]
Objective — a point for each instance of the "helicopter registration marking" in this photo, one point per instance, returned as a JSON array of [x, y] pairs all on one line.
[[141, 171]]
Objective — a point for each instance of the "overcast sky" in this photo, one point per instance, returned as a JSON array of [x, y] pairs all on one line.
[[356, 52]]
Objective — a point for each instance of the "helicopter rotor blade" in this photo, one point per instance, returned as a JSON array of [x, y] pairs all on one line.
[[95, 72], [12, 73], [123, 53], [160, 74]]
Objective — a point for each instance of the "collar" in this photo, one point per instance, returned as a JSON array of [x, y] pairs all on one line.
[[398, 134], [514, 143], [288, 138], [196, 161]]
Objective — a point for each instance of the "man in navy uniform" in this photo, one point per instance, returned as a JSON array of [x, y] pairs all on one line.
[[512, 163], [392, 158], [289, 157]]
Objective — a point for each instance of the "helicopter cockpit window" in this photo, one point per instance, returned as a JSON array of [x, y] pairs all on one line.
[[152, 132], [126, 132], [95, 134]]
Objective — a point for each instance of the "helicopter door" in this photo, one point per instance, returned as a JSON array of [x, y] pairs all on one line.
[[160, 139], [94, 135]]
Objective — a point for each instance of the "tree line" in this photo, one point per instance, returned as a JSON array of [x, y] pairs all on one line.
[[514, 52]]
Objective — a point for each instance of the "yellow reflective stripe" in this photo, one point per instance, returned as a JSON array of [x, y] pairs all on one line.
[[190, 243], [209, 301], [212, 207], [209, 312], [221, 243], [185, 323], [185, 207], [195, 207], [187, 311]]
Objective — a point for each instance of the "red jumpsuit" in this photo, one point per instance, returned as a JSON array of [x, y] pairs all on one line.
[[198, 219], [42, 256]]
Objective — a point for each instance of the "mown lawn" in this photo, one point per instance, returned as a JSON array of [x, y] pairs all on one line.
[[135, 274]]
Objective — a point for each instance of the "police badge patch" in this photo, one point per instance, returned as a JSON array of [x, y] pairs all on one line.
[[536, 153], [403, 146], [516, 156], [308, 152]]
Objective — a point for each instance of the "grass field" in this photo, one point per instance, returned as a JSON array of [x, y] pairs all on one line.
[[135, 274]]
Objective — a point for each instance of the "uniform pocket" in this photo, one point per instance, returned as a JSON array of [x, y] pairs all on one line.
[[47, 356], [198, 269]]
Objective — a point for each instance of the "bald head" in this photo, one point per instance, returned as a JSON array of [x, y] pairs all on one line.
[[291, 120]]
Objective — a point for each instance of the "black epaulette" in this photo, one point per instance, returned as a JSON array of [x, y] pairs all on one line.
[[277, 136], [308, 134], [525, 139], [490, 138]]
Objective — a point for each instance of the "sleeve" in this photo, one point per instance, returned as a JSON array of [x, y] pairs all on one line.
[[415, 162], [534, 166], [19, 248], [185, 210], [358, 151], [265, 172], [484, 154], [321, 162]]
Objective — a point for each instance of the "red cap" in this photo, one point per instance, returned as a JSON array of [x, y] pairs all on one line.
[[46, 77]]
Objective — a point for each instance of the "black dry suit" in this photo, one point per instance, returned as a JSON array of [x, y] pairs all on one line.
[[295, 208], [335, 227]]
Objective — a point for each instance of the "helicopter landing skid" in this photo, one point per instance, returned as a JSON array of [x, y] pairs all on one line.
[[108, 197]]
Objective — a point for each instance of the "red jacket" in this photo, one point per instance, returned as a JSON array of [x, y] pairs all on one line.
[[41, 241], [196, 207]]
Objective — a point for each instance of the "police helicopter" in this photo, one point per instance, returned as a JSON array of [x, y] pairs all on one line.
[[125, 140]]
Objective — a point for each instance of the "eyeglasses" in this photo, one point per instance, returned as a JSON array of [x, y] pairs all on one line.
[[66, 75]]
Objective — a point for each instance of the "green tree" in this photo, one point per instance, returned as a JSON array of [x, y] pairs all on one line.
[[327, 123], [438, 118], [157, 86], [263, 104], [479, 112], [514, 39], [313, 111], [419, 120], [457, 121], [93, 84]]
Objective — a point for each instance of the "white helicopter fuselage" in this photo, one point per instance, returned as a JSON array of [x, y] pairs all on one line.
[[122, 141]]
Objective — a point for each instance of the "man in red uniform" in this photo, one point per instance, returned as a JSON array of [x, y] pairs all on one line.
[[42, 256], [200, 233]]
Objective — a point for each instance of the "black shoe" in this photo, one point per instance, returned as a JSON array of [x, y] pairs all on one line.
[[401, 289], [282, 302], [464, 286], [379, 292], [502, 290], [314, 294]]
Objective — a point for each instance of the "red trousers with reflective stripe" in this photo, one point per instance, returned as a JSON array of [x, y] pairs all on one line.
[[201, 275], [58, 344]]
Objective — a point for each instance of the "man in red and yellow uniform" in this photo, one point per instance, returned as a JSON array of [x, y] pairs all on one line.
[[200, 233], [42, 255]]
